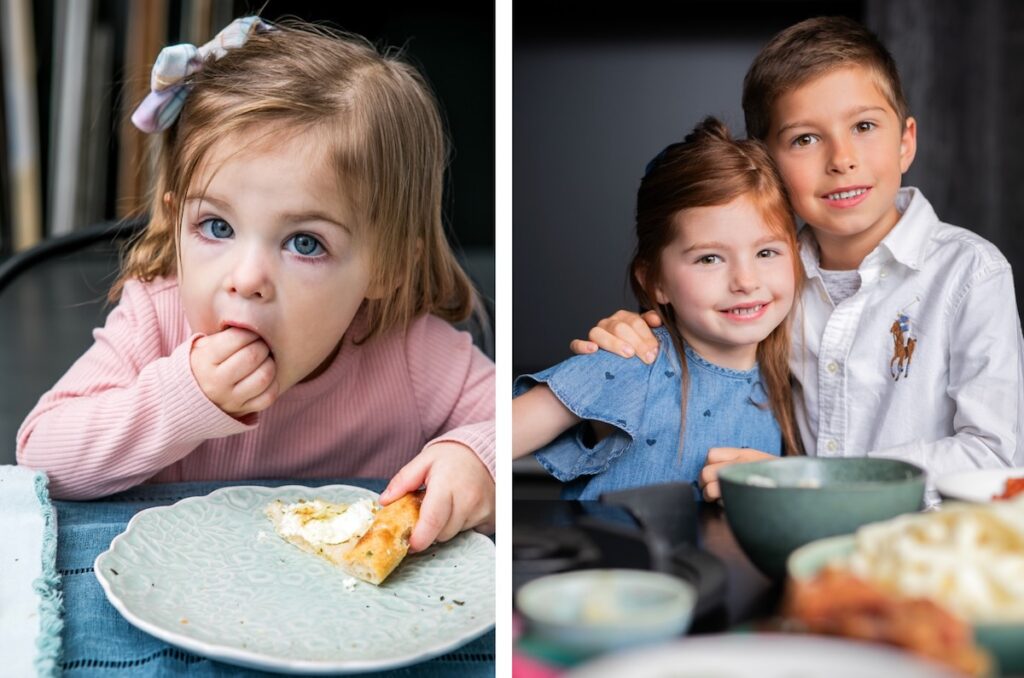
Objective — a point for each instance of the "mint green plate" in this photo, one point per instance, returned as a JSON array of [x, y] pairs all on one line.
[[1004, 641], [210, 576]]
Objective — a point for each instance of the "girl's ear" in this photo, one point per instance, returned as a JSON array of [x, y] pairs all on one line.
[[641, 277]]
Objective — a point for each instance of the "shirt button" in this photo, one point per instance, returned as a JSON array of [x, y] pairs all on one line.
[[832, 367], [832, 446]]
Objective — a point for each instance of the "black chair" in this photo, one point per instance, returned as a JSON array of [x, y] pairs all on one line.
[[51, 298]]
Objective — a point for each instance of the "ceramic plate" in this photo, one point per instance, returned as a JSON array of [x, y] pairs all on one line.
[[762, 655], [977, 486], [209, 575]]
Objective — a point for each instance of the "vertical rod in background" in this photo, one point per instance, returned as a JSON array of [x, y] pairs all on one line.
[[18, 43], [70, 63]]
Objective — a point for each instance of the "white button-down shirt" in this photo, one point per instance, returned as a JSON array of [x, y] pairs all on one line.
[[957, 403]]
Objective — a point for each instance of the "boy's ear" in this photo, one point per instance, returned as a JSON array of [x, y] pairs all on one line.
[[908, 144]]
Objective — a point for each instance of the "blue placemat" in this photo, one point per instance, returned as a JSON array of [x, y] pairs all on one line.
[[99, 642]]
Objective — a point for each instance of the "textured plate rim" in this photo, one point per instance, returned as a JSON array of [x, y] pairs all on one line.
[[255, 659]]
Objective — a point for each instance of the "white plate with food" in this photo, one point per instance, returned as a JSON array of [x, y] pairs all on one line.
[[761, 655], [211, 576], [979, 486]]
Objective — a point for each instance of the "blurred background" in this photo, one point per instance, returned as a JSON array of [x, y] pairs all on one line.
[[596, 95], [72, 71]]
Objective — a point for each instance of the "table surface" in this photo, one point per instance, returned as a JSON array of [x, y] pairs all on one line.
[[97, 641]]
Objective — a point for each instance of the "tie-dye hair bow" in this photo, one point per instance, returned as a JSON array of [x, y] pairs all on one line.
[[161, 107]]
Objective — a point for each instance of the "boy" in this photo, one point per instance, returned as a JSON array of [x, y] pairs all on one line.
[[906, 342]]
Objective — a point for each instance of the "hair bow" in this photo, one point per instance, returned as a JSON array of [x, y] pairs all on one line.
[[161, 107]]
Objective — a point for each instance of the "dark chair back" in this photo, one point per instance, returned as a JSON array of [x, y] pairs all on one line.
[[51, 298]]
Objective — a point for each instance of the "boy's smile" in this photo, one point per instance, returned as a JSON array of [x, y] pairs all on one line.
[[842, 151]]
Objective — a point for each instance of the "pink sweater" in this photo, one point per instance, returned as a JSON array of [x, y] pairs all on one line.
[[130, 411]]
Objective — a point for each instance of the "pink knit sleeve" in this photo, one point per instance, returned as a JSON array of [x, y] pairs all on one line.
[[454, 386], [123, 412]]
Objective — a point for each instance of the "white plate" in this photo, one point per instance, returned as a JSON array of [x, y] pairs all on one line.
[[976, 486], [209, 575], [761, 655]]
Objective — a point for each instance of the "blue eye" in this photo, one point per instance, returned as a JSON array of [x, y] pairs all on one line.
[[305, 244], [216, 229]]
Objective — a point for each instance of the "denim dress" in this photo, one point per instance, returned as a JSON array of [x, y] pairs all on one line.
[[725, 408]]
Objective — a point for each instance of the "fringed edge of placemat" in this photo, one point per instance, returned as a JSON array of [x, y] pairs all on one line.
[[48, 588]]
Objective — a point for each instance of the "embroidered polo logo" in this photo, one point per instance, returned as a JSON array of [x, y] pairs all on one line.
[[904, 342]]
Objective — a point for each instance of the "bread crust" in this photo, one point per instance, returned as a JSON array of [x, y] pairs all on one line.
[[385, 544], [377, 553]]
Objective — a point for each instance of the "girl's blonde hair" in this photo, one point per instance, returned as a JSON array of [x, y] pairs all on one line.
[[710, 168], [380, 125]]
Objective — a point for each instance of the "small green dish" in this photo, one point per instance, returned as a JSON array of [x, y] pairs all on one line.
[[587, 612], [774, 507], [1003, 641]]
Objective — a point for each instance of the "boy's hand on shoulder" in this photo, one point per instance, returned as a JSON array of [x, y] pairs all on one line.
[[235, 370], [460, 493], [624, 333], [719, 457]]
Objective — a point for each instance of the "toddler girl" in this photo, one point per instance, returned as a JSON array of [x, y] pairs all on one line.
[[716, 258], [284, 313]]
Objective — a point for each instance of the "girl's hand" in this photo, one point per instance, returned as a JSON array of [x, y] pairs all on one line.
[[460, 493], [235, 370], [625, 333], [719, 457]]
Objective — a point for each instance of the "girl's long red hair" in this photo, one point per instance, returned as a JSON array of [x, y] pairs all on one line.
[[711, 168]]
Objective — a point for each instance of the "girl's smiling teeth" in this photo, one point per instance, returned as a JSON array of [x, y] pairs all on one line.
[[746, 311]]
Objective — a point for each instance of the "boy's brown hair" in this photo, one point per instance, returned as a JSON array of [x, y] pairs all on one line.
[[384, 137], [807, 50], [710, 168]]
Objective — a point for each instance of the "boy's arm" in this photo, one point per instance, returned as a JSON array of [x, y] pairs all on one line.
[[123, 412], [624, 333], [986, 363], [538, 417]]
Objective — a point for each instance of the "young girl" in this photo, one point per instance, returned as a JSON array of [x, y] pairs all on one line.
[[716, 259], [284, 313]]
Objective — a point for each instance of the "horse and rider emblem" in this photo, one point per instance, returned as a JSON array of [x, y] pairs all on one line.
[[904, 342]]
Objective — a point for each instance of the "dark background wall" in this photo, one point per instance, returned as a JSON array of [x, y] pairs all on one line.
[[596, 96]]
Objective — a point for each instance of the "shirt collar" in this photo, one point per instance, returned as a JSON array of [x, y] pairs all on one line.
[[906, 243]]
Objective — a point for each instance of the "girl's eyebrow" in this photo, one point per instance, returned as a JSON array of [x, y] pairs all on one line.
[[715, 245], [292, 218]]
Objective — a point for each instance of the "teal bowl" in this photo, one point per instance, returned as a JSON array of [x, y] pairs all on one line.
[[587, 612], [774, 507], [1002, 640]]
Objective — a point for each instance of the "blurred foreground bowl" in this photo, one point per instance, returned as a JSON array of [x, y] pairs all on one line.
[[591, 611], [774, 507], [1002, 640]]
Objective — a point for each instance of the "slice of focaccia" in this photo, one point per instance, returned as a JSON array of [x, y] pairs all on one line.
[[363, 539]]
